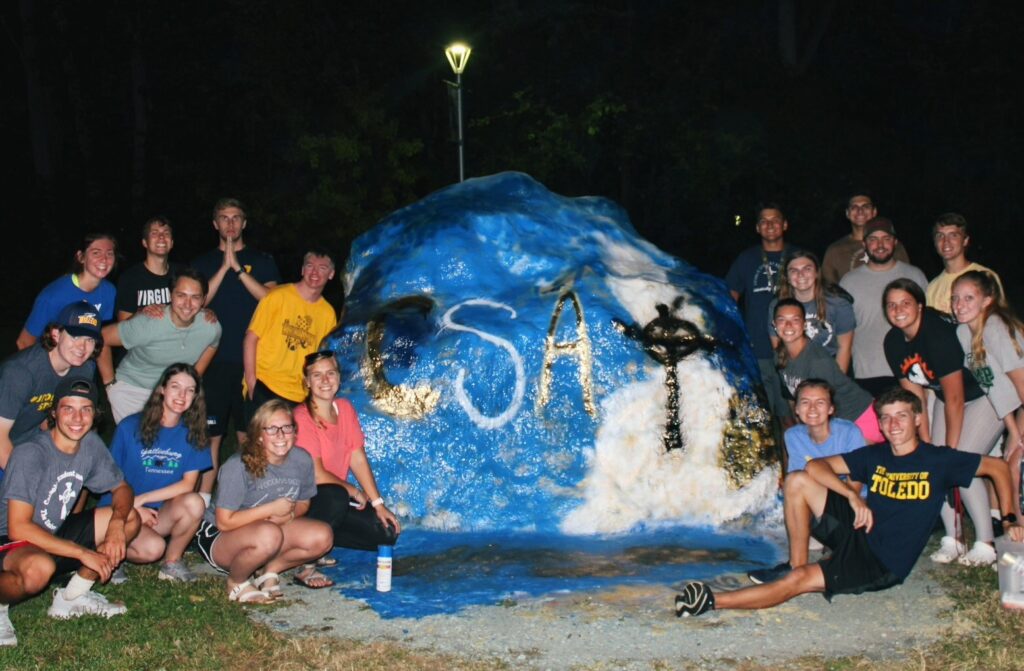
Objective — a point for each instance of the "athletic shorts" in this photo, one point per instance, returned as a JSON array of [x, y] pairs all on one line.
[[206, 536], [260, 395], [852, 568], [79, 528], [7, 545], [222, 383]]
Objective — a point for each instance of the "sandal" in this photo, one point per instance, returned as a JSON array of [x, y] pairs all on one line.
[[309, 576], [327, 561], [273, 591], [244, 592]]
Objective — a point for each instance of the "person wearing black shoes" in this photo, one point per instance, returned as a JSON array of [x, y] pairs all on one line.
[[874, 541]]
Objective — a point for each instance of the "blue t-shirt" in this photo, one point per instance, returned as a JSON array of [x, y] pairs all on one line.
[[843, 437], [754, 275], [164, 463], [905, 495], [59, 293]]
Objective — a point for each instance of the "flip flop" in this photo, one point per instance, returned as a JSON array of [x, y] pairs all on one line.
[[311, 578], [326, 561]]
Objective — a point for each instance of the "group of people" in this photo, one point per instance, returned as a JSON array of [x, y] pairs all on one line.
[[900, 388], [204, 345]]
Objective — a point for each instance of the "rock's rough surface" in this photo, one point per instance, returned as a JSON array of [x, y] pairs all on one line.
[[523, 361]]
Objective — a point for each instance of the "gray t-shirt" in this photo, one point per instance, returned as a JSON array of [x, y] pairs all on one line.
[[1001, 357], [237, 489], [154, 344], [27, 382], [866, 287], [814, 362], [50, 480]]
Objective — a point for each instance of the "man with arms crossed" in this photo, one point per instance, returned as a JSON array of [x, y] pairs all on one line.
[[40, 536], [239, 277], [876, 541]]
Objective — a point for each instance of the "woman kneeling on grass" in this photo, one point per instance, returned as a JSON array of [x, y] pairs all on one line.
[[162, 451], [329, 430], [257, 525]]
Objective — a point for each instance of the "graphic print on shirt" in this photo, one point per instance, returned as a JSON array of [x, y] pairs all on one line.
[[60, 499], [915, 369], [43, 402], [278, 488], [299, 335], [144, 297], [913, 486], [766, 277], [161, 460], [983, 373]]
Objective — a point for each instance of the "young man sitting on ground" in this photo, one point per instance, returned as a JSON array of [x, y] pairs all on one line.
[[875, 542]]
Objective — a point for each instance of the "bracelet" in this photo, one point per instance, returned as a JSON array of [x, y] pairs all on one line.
[[240, 271], [106, 385], [377, 502]]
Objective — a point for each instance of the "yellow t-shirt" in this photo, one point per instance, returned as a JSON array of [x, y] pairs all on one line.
[[289, 328], [939, 289]]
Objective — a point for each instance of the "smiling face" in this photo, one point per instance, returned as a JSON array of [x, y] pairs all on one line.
[[98, 258], [802, 275], [323, 379], [74, 416], [899, 423], [880, 247], [814, 406], [71, 350], [317, 271], [277, 436], [771, 225], [969, 303], [860, 210], [950, 242], [903, 311], [789, 323], [159, 240], [179, 393], [186, 301]]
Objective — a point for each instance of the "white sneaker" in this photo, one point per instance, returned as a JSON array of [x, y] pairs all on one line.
[[119, 577], [981, 554], [949, 549], [90, 603], [7, 635]]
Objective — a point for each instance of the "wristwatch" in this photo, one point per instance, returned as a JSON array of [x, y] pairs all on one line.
[[1009, 518]]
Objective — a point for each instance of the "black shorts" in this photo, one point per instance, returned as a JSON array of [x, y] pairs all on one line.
[[206, 536], [79, 528], [222, 383], [7, 545], [260, 395], [852, 568]]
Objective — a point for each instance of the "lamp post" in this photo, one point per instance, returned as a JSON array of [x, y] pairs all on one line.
[[458, 56]]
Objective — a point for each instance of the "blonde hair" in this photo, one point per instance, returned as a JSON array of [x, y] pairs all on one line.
[[998, 307], [254, 455]]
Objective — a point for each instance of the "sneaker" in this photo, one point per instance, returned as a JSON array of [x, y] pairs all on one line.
[[695, 600], [90, 603], [949, 549], [7, 635], [119, 577], [981, 554], [763, 575], [177, 571]]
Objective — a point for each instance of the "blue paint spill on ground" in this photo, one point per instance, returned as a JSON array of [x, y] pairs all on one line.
[[442, 573]]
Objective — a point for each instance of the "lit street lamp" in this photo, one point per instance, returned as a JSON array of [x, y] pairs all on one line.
[[458, 56]]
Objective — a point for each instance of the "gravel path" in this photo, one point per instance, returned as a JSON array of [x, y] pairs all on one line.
[[633, 627]]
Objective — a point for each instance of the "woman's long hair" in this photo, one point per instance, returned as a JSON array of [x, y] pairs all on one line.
[[78, 258], [254, 455], [307, 364], [194, 417], [781, 354], [998, 307], [822, 289]]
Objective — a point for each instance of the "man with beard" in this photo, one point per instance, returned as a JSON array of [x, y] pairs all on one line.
[[847, 253], [866, 285], [154, 344], [239, 277]]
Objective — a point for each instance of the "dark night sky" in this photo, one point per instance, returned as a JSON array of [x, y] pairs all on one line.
[[325, 116]]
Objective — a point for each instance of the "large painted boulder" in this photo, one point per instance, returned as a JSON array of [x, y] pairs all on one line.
[[525, 361]]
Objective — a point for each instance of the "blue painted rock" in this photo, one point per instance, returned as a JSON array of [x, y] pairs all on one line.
[[525, 361]]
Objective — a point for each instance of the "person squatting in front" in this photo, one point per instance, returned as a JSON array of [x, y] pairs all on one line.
[[40, 536], [874, 542], [258, 528]]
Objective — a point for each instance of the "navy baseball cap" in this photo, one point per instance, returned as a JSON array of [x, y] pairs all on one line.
[[81, 319], [76, 385]]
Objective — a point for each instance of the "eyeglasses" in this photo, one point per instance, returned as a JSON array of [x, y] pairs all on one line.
[[317, 356], [286, 429]]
